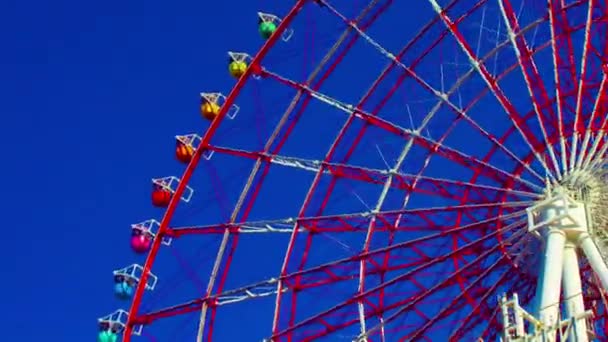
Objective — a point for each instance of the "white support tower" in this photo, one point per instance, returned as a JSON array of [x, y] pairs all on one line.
[[564, 223], [517, 321]]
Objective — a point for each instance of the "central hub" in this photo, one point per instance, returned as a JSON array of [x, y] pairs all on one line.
[[592, 190], [589, 189], [577, 203], [559, 212]]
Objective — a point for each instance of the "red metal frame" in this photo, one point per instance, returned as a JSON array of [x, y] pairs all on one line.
[[266, 169], [192, 165], [297, 276]]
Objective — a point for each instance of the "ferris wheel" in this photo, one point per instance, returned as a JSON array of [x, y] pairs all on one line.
[[434, 172]]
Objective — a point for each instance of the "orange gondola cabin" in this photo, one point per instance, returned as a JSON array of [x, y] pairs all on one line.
[[209, 110], [183, 152]]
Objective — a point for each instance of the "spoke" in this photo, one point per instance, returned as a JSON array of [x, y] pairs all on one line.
[[600, 99], [408, 220], [335, 271], [599, 160], [534, 83], [465, 324], [557, 66], [445, 188], [492, 84], [253, 291], [443, 98], [491, 331], [321, 319], [577, 127], [595, 157], [430, 322], [487, 170]]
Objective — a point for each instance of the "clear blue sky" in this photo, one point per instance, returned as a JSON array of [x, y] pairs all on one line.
[[91, 95]]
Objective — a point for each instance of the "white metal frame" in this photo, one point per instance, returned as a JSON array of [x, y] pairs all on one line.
[[134, 272], [267, 17], [170, 184], [194, 141], [116, 321], [514, 319], [150, 227], [563, 225], [242, 57], [219, 99]]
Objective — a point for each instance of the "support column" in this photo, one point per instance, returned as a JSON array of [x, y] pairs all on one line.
[[595, 258], [550, 281], [573, 294], [520, 328]]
